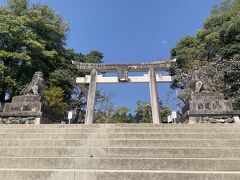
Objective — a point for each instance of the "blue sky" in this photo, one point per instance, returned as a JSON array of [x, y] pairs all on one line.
[[131, 31]]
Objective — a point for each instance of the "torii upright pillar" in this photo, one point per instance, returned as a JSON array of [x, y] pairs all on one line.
[[154, 96], [91, 97]]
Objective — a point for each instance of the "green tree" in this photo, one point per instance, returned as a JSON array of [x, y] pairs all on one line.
[[33, 38], [224, 6], [216, 48], [54, 97], [144, 112], [120, 115], [18, 6]]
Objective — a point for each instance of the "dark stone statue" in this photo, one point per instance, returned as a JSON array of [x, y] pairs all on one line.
[[36, 86]]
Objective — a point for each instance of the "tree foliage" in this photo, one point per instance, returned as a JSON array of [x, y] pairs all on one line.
[[144, 112], [216, 48], [54, 96], [120, 115], [33, 38]]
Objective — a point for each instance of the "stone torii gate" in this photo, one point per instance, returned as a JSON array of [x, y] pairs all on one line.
[[122, 70]]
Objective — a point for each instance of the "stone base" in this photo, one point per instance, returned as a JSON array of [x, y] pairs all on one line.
[[27, 109], [19, 120], [197, 120], [209, 107]]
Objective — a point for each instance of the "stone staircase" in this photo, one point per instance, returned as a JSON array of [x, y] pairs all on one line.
[[120, 152]]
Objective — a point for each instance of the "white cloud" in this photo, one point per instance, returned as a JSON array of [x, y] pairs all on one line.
[[164, 41]]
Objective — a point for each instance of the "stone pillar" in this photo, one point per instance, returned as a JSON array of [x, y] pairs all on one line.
[[89, 118], [236, 119], [154, 96]]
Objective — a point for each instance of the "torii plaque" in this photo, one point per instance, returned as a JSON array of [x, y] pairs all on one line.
[[122, 70]]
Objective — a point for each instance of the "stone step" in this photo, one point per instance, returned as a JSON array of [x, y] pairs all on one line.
[[25, 174], [121, 136], [178, 164], [121, 143], [119, 130], [122, 152], [120, 125]]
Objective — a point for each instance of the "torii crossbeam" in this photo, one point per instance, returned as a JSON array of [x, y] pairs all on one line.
[[122, 69]]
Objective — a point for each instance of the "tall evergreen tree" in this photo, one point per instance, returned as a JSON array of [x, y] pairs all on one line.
[[216, 47]]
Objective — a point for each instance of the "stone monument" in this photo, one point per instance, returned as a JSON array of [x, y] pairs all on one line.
[[205, 104], [30, 107]]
